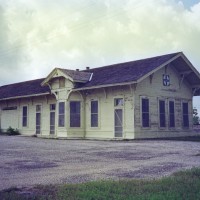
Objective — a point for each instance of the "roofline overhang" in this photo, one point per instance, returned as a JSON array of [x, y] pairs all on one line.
[[102, 86], [159, 67], [46, 80], [78, 81], [190, 65], [181, 54], [25, 96]]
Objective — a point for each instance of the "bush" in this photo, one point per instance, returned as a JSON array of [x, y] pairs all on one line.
[[2, 133], [12, 131]]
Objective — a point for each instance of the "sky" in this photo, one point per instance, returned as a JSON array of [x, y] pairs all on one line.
[[38, 35]]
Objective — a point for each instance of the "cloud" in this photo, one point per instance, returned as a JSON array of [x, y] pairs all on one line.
[[38, 36]]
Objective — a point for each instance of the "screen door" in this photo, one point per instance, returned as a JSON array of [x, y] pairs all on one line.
[[118, 122]]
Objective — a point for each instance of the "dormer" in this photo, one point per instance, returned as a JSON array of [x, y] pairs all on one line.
[[60, 79]]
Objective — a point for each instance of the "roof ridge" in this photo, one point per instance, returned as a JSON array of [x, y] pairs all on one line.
[[176, 53], [85, 71]]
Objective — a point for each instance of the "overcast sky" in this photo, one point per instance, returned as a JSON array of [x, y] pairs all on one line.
[[39, 35]]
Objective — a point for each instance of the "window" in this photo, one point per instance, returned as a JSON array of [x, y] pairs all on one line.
[[38, 119], [38, 108], [185, 115], [171, 114], [61, 114], [24, 116], [94, 113], [145, 112], [75, 118], [162, 113], [52, 118], [119, 102], [52, 107]]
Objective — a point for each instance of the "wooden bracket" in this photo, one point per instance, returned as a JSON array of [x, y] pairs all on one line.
[[181, 80], [194, 90], [105, 93], [151, 78], [55, 93]]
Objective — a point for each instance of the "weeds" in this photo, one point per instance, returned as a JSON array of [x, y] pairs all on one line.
[[181, 185]]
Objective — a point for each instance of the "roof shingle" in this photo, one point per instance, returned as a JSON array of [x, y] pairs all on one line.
[[77, 76], [112, 74], [27, 88], [125, 72]]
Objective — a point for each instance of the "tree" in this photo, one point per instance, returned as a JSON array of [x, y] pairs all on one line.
[[195, 117]]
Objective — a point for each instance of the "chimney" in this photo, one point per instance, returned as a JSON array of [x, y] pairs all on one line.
[[87, 68], [77, 70]]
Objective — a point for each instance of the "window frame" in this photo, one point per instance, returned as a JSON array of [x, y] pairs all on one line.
[[26, 117], [141, 112], [52, 110], [169, 114], [74, 115], [40, 112], [50, 107], [121, 102], [94, 113], [162, 114], [61, 114], [118, 106]]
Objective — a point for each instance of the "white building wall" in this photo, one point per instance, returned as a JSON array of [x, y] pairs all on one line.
[[154, 90], [13, 118], [106, 98]]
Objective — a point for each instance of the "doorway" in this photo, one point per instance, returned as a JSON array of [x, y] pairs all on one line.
[[118, 117], [52, 118], [38, 119]]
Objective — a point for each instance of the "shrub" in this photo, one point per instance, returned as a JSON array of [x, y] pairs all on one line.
[[12, 131], [2, 133]]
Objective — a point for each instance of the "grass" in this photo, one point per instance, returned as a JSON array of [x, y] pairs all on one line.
[[181, 185]]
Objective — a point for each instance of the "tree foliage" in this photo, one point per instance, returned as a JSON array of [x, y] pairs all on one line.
[[195, 117]]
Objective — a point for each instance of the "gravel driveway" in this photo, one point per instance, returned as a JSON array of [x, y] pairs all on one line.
[[26, 161]]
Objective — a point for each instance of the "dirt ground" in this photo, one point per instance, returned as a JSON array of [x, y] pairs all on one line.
[[28, 161]]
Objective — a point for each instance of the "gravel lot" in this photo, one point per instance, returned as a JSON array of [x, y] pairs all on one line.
[[26, 161]]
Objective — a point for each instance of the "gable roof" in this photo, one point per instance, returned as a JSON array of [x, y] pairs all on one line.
[[72, 75], [136, 71], [111, 75], [125, 72], [77, 76], [23, 89]]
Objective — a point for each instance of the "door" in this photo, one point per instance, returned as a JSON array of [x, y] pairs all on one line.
[[38, 119], [118, 116], [118, 122], [52, 118], [52, 122]]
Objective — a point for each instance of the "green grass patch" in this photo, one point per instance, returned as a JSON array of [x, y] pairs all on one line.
[[181, 185]]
